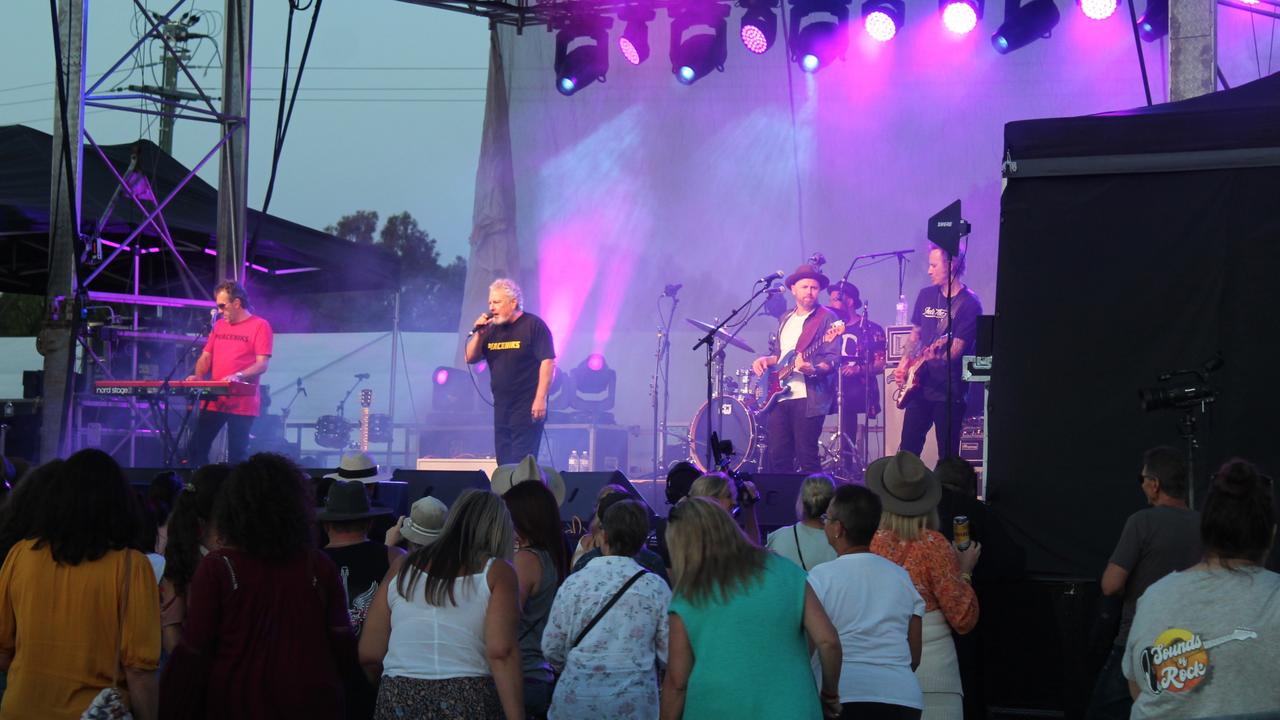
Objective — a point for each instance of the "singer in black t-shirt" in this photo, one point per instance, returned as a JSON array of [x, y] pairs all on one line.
[[518, 348]]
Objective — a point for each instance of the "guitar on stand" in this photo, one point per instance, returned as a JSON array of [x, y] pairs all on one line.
[[366, 400], [786, 365]]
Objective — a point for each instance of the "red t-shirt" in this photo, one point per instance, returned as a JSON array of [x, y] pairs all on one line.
[[234, 348]]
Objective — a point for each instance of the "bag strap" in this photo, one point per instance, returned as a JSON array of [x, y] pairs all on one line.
[[124, 602], [605, 609], [796, 534]]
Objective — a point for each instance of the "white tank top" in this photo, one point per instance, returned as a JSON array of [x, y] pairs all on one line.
[[435, 643]]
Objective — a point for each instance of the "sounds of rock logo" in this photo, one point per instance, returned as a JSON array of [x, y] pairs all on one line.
[[1178, 660]]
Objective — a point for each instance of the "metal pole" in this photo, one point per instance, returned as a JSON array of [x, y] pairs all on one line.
[[391, 392], [166, 120], [57, 341], [233, 175]]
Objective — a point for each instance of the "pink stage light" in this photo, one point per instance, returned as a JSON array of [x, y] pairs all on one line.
[[442, 376], [880, 26], [961, 18], [629, 51], [754, 40], [1102, 9], [595, 361]]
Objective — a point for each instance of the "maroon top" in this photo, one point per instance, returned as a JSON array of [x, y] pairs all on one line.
[[261, 640]]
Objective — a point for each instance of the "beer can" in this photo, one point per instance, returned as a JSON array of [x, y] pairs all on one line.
[[960, 528]]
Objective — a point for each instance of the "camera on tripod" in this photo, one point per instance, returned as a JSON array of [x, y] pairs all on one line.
[[722, 450], [1193, 391]]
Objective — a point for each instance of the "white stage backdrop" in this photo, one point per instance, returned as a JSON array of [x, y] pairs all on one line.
[[639, 181]]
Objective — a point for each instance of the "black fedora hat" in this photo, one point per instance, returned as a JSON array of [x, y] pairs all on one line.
[[347, 501]]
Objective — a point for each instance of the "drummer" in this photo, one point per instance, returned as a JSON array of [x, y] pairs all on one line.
[[807, 394]]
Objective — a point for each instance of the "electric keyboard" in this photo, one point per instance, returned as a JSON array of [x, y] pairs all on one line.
[[157, 388]]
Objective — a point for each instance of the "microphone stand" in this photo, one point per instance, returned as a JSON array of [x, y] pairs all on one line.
[[709, 341], [661, 376]]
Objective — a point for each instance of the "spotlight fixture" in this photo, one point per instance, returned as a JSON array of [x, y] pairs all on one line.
[[882, 18], [1097, 9], [586, 62], [759, 25], [1025, 25], [594, 389], [817, 43], [451, 390], [634, 41], [695, 56], [960, 16], [1154, 23]]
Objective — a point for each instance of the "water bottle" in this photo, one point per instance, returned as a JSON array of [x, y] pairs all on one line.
[[584, 462], [901, 307], [575, 463]]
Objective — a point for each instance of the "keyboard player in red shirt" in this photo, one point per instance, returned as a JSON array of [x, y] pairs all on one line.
[[238, 350]]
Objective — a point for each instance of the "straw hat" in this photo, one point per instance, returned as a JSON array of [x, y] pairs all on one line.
[[506, 477], [356, 465]]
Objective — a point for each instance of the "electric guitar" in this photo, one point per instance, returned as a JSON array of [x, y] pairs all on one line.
[[366, 399], [786, 365], [915, 374]]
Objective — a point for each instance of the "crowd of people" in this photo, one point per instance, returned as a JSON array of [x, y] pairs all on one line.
[[237, 594]]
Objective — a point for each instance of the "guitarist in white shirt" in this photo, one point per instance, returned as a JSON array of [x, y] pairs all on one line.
[[922, 375], [804, 362]]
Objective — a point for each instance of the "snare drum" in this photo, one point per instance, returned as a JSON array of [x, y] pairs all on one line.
[[333, 431], [730, 419]]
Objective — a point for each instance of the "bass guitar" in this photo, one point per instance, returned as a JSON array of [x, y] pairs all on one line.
[[778, 389], [915, 374]]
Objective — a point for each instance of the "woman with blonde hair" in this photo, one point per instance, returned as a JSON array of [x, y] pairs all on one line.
[[908, 536], [441, 632], [805, 543], [725, 492], [725, 588]]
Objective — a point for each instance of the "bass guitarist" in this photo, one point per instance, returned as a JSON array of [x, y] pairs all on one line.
[[929, 373], [804, 362]]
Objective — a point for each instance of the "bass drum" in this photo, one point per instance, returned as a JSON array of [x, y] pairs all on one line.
[[731, 420]]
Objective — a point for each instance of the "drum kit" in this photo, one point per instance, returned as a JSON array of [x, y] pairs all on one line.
[[334, 431]]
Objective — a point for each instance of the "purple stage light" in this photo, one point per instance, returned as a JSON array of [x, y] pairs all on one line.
[[442, 376], [879, 26], [961, 18], [1102, 9], [595, 361], [629, 51], [754, 40]]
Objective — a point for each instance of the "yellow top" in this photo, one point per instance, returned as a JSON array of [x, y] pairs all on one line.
[[60, 623]]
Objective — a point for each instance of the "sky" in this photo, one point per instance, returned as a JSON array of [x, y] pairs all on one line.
[[388, 118]]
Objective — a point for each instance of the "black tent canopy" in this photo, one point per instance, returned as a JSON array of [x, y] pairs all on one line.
[[288, 258], [1132, 244]]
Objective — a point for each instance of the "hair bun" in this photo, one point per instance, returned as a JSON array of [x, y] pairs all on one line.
[[1238, 479]]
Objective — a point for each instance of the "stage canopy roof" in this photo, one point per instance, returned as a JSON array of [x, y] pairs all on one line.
[[1232, 128], [289, 258]]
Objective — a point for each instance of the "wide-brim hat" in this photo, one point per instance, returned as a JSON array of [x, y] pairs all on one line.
[[425, 521], [808, 271], [360, 466], [904, 483], [506, 477], [347, 500]]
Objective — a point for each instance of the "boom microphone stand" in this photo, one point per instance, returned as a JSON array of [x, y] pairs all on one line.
[[709, 341], [662, 375]]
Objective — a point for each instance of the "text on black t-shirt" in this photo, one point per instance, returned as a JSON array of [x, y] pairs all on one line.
[[514, 352]]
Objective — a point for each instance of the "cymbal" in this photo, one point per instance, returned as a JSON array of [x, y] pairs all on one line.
[[721, 335]]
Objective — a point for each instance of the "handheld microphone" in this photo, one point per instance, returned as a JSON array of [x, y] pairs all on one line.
[[671, 290], [775, 275], [359, 376], [774, 291], [476, 328]]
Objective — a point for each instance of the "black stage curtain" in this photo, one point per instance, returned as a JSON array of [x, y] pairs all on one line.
[[1104, 283]]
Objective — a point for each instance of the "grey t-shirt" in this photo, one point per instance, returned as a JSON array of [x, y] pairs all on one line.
[[533, 620], [1206, 643], [1155, 542]]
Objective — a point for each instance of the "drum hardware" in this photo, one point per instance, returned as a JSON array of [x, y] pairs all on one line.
[[334, 431]]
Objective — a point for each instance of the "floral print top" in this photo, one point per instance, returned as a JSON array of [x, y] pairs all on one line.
[[611, 673], [935, 571]]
